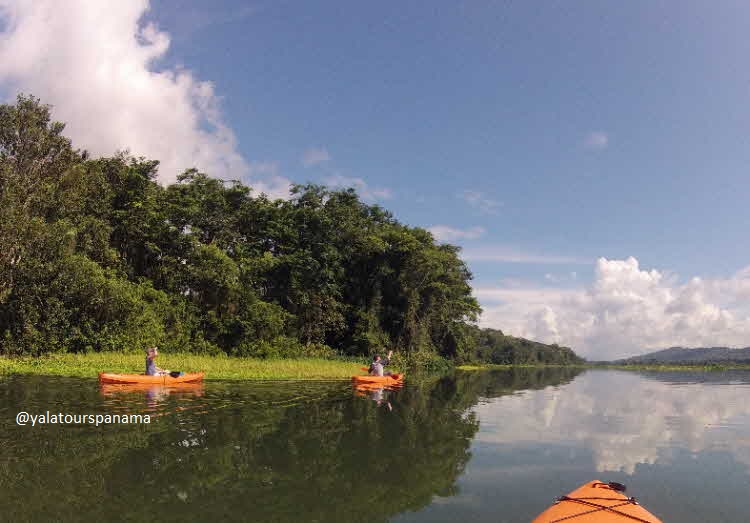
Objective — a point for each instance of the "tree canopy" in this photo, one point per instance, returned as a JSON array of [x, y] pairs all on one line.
[[96, 255]]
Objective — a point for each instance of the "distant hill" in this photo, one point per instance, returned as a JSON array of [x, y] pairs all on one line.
[[697, 355]]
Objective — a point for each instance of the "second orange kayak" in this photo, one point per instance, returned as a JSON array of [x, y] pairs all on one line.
[[597, 502], [106, 377]]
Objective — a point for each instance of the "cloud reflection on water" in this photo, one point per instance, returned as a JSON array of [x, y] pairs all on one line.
[[625, 419]]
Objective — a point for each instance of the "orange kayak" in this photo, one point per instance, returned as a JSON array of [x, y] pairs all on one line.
[[597, 502], [189, 388], [105, 377], [364, 389], [384, 380]]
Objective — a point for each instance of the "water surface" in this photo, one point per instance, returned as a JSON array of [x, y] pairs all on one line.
[[478, 446]]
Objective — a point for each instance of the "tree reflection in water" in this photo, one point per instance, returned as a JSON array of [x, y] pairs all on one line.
[[243, 451]]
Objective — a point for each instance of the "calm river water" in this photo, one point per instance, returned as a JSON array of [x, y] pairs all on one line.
[[479, 446]]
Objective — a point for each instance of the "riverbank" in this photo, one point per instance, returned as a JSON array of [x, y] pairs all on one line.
[[216, 367], [673, 367], [222, 367], [494, 366], [655, 367]]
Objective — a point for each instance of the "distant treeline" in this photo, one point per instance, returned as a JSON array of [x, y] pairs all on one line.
[[676, 363], [96, 255], [494, 347]]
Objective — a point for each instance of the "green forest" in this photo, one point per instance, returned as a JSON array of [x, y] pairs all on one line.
[[95, 255]]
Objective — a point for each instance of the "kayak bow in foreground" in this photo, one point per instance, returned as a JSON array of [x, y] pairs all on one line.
[[597, 502]]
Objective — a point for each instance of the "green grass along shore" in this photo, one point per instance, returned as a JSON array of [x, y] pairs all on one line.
[[216, 367], [230, 368]]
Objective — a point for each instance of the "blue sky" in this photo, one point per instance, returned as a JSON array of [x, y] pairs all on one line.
[[500, 98], [552, 140]]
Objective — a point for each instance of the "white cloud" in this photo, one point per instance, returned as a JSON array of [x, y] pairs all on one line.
[[315, 156], [366, 192], [268, 181], [507, 254], [596, 140], [481, 202], [555, 278], [445, 233], [625, 311], [97, 63]]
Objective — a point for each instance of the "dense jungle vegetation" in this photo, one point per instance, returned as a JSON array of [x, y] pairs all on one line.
[[95, 255]]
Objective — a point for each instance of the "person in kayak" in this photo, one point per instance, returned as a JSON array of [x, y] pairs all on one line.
[[151, 368], [377, 367]]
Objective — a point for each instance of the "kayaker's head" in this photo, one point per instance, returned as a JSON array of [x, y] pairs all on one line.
[[152, 352], [376, 358]]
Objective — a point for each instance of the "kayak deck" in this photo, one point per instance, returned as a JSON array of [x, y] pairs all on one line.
[[106, 377], [596, 502]]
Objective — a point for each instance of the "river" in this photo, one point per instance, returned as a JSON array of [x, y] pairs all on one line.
[[490, 446]]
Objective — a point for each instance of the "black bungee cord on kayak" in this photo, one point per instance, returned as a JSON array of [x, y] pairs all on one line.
[[619, 487]]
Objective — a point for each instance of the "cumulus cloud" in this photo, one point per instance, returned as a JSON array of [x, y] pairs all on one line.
[[596, 140], [315, 156], [626, 311], [98, 64], [481, 202], [508, 254], [366, 192], [603, 411], [446, 233]]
